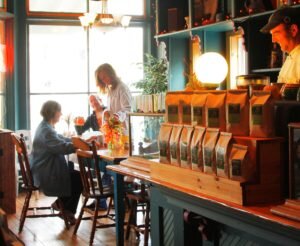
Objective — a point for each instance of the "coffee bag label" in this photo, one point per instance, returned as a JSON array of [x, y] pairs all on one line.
[[195, 156], [213, 117], [173, 150], [187, 114], [234, 113], [236, 167], [163, 148], [197, 115], [208, 157], [184, 149], [220, 158], [173, 113], [257, 114]]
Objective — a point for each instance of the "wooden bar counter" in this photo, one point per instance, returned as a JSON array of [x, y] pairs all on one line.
[[237, 224]]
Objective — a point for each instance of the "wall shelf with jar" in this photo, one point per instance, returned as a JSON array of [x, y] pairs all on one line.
[[212, 33]]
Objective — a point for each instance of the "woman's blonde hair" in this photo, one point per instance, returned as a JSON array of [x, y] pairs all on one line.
[[109, 71]]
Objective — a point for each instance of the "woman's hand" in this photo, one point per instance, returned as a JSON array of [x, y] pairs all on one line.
[[90, 139], [116, 117]]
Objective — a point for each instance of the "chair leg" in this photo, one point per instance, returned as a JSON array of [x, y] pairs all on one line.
[[94, 222], [130, 218], [24, 210], [80, 215], [109, 206], [147, 224]]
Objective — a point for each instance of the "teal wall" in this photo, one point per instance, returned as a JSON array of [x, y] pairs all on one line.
[[178, 53]]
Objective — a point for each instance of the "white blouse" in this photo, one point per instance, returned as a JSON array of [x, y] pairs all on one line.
[[119, 102]]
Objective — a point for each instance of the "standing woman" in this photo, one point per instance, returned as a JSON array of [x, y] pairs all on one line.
[[118, 95], [48, 164]]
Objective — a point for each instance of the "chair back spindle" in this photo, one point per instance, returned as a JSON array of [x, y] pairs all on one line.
[[23, 160]]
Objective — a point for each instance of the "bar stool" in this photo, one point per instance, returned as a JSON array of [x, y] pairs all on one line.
[[138, 198]]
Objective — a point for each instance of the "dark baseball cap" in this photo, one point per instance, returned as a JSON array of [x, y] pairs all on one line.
[[284, 15]]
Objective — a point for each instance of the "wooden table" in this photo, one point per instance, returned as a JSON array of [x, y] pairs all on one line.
[[112, 158], [250, 223]]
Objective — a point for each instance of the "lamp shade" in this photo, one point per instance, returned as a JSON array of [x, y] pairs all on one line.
[[211, 68]]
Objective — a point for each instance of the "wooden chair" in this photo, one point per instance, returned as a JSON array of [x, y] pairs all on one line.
[[29, 187], [139, 198], [92, 188]]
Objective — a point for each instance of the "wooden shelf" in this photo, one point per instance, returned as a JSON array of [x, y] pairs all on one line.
[[147, 114], [222, 26], [266, 70]]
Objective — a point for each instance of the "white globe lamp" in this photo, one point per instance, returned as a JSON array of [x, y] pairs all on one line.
[[211, 69]]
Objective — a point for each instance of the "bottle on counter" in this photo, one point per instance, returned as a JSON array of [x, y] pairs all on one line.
[[276, 56]]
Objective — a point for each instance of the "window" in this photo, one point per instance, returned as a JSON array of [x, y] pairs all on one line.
[[63, 57], [238, 57], [59, 68], [2, 101], [2, 4], [64, 6], [2, 75]]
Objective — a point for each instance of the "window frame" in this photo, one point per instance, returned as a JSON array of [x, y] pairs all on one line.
[[4, 7], [64, 15]]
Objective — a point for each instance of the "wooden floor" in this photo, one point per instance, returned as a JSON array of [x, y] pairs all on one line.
[[51, 231]]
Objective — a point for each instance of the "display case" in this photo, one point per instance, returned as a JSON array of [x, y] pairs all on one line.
[[143, 134]]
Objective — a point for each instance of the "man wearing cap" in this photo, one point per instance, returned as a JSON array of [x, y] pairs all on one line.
[[284, 26]]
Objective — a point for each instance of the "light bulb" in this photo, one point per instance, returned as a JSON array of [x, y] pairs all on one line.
[[211, 68]]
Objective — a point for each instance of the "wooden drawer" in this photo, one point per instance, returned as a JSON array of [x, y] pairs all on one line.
[[7, 173]]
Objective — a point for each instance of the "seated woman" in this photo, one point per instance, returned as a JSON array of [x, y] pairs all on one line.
[[50, 170]]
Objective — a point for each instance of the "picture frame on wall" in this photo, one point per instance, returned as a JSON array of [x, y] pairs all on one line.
[[294, 160]]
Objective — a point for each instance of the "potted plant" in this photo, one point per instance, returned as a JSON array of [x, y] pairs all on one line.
[[156, 76]]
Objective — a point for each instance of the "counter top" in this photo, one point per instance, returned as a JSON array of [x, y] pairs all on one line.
[[113, 155], [140, 168]]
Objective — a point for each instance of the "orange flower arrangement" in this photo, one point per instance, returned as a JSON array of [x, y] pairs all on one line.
[[112, 130]]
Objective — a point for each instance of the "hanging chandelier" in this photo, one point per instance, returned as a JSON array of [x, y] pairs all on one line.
[[104, 18]]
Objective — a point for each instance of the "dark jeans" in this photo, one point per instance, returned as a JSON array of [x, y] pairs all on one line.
[[70, 203]]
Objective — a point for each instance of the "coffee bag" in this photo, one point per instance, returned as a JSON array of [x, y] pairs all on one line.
[[222, 154], [208, 145], [241, 169], [215, 110], [172, 107], [174, 145], [261, 114], [237, 112], [164, 140], [185, 104], [198, 108], [196, 148], [185, 146]]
